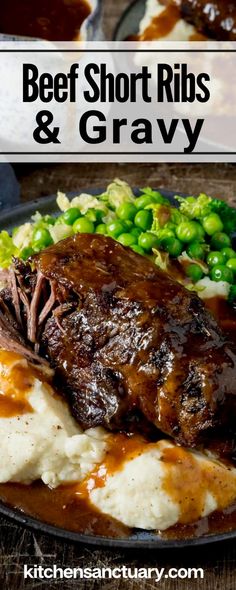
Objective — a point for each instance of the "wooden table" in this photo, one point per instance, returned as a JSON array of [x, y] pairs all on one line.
[[18, 545]]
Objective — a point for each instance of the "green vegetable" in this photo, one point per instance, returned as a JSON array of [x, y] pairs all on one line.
[[194, 272], [195, 208], [126, 211], [231, 263], [128, 224], [7, 249], [70, 215], [136, 231], [163, 234], [127, 239], [61, 231], [220, 240], [148, 224], [101, 229], [147, 241], [118, 192], [115, 228], [156, 196], [143, 201], [212, 224], [173, 246], [196, 250], [143, 219], [95, 215], [48, 220], [26, 253], [227, 214], [221, 273], [83, 226], [41, 239], [138, 249], [228, 253], [215, 258], [187, 231]]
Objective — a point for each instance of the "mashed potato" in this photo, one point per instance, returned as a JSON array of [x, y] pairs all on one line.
[[154, 488], [182, 31], [152, 492], [44, 443]]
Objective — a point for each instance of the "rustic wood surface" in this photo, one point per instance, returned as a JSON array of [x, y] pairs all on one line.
[[19, 546]]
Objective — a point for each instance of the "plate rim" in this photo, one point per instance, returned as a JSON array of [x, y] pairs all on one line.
[[123, 16], [23, 519]]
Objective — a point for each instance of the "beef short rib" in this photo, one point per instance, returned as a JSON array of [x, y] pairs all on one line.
[[126, 338], [214, 18]]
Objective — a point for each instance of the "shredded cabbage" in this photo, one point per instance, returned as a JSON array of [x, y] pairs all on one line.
[[7, 249]]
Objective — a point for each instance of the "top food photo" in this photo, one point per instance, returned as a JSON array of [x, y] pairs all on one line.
[[144, 20]]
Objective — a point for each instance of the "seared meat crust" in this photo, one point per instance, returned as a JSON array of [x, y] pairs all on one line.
[[127, 338]]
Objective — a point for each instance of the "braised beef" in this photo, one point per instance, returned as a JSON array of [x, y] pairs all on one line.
[[216, 19], [124, 337]]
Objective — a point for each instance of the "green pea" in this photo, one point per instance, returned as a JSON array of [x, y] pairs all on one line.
[[221, 273], [26, 253], [49, 219], [138, 249], [212, 224], [231, 263], [143, 219], [128, 224], [127, 239], [99, 214], [95, 215], [83, 226], [220, 240], [143, 201], [101, 229], [60, 219], [228, 253], [115, 228], [200, 231], [135, 231], [126, 211], [215, 258], [147, 241], [71, 215], [194, 272], [41, 238], [187, 231], [173, 246], [196, 250]]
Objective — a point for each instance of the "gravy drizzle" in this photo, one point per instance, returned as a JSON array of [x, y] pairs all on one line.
[[16, 381], [161, 25]]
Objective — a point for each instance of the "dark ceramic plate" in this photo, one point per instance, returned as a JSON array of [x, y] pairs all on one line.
[[139, 538], [129, 21]]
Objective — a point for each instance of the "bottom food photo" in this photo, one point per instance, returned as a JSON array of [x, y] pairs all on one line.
[[118, 355]]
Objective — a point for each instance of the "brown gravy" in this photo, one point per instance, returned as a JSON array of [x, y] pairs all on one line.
[[188, 481], [53, 20], [16, 380], [68, 507], [61, 507], [161, 25]]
